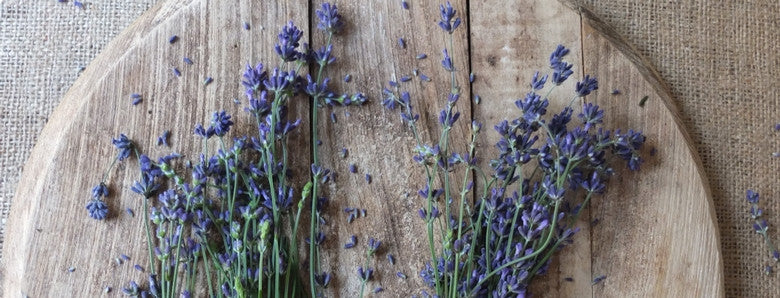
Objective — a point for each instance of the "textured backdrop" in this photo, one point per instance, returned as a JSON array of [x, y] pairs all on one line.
[[720, 58]]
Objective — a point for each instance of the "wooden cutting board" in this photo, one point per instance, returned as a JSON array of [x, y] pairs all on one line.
[[656, 235]]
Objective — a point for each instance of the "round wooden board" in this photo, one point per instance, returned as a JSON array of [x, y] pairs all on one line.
[[656, 235]]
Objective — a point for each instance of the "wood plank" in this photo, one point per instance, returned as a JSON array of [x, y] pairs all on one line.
[[380, 145], [664, 211], [510, 44], [657, 233], [48, 230]]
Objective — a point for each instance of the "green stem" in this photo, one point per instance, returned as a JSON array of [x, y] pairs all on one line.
[[148, 235], [533, 254], [364, 280]]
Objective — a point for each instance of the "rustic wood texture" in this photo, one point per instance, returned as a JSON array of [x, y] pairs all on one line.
[[379, 144], [656, 235], [508, 46]]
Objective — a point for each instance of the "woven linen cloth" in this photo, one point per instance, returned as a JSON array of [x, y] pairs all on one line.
[[719, 57]]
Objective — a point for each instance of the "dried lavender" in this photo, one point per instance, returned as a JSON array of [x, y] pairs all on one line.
[[373, 246], [329, 22], [760, 225], [227, 217], [497, 245]]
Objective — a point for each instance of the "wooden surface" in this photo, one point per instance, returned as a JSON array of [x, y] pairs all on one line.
[[656, 234]]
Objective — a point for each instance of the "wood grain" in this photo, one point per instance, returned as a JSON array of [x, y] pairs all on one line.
[[673, 248], [379, 144], [514, 42], [656, 237]]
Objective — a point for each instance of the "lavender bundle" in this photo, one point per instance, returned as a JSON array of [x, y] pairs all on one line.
[[233, 213], [497, 245]]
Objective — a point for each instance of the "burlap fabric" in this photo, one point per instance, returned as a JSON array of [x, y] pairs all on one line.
[[720, 58]]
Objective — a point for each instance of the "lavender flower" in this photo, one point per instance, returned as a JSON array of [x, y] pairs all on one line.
[[447, 14], [124, 145], [591, 115], [97, 209], [329, 18], [373, 245], [351, 243], [561, 69], [508, 239], [132, 289], [162, 140], [100, 190], [221, 123], [537, 83], [446, 62], [366, 274], [587, 85]]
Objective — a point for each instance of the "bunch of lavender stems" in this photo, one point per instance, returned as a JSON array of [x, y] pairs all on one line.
[[234, 217], [498, 244]]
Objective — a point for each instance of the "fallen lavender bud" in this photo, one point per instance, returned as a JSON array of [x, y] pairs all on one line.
[[351, 243], [246, 26], [187, 60], [173, 39], [347, 78], [208, 80], [400, 275], [130, 212], [391, 259], [176, 72], [404, 4], [401, 43], [421, 56], [598, 279], [162, 140]]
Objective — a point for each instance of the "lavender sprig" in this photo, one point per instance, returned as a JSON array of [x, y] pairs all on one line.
[[229, 210], [527, 211], [760, 224]]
